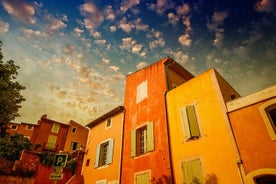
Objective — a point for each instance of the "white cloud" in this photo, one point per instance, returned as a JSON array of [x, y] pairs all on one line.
[[106, 60], [78, 31], [54, 24], [183, 10], [128, 4], [4, 27], [109, 13], [113, 28], [23, 11], [161, 6], [125, 26], [141, 65], [100, 42], [215, 26], [93, 17], [185, 40], [139, 25], [265, 6], [32, 33], [131, 45], [173, 19], [158, 40], [114, 68]]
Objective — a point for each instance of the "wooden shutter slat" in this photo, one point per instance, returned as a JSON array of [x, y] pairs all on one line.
[[150, 137], [109, 155], [133, 143]]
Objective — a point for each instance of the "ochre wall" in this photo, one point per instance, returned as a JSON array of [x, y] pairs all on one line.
[[215, 147], [256, 147], [97, 135]]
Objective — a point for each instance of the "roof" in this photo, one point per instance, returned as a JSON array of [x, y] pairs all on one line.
[[107, 115]]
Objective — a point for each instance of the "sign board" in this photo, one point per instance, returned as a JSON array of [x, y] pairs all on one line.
[[56, 176], [60, 160]]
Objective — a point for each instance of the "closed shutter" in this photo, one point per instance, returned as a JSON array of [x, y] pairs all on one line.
[[142, 178], [192, 172], [109, 155], [133, 143], [150, 137], [96, 163], [52, 141], [194, 129], [185, 123]]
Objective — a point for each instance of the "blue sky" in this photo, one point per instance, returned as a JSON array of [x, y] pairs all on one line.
[[75, 55]]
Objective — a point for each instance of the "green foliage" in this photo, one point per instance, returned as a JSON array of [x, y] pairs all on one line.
[[71, 165], [10, 97], [11, 146], [47, 158]]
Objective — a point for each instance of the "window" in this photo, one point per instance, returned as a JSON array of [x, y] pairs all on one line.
[[192, 171], [55, 128], [108, 123], [74, 130], [101, 182], [268, 113], [51, 144], [142, 140], [75, 145], [189, 119], [87, 162], [142, 178], [29, 127], [13, 127], [142, 91], [104, 153]]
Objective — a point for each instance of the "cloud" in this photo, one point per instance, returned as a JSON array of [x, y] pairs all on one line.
[[265, 6], [158, 39], [109, 13], [185, 40], [113, 28], [69, 50], [4, 27], [131, 45], [173, 18], [31, 33], [139, 25], [125, 26], [114, 68], [100, 42], [93, 17], [161, 6], [136, 24], [141, 65], [128, 4], [54, 24], [21, 10], [215, 25], [78, 31]]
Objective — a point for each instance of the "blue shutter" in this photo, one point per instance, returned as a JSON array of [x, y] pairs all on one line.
[[109, 155], [96, 163]]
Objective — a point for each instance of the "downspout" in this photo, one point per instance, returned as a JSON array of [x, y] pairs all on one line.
[[167, 124], [122, 148]]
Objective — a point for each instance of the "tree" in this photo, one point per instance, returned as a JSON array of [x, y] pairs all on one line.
[[11, 146], [10, 97]]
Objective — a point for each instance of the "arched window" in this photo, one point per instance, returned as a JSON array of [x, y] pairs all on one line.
[[265, 179]]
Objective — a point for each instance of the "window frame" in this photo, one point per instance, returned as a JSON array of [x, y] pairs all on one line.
[[55, 128], [149, 140], [74, 130], [108, 123], [142, 91], [27, 127], [77, 146], [263, 109], [190, 122], [109, 154], [14, 129]]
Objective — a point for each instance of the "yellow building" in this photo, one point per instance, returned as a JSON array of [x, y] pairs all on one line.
[[102, 162], [201, 142]]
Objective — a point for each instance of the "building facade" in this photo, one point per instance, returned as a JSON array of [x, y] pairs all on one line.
[[253, 121], [202, 145], [146, 157], [26, 129], [102, 162]]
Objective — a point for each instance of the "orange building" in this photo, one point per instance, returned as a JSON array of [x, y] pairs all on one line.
[[146, 157], [76, 137], [102, 162], [50, 134], [26, 129], [253, 120], [202, 145]]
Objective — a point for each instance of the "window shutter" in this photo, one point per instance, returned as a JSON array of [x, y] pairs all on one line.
[[109, 155], [192, 171], [150, 137], [194, 129], [133, 143], [96, 163], [186, 123]]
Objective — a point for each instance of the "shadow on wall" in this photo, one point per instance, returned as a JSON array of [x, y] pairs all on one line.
[[211, 179], [162, 180]]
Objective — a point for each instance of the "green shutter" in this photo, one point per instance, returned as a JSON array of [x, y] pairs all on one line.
[[150, 137], [96, 163], [133, 143], [194, 129], [186, 123], [109, 155], [192, 172], [142, 178]]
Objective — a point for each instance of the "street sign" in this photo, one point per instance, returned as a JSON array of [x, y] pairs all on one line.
[[60, 160], [56, 176]]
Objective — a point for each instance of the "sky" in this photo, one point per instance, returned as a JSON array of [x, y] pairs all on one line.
[[74, 55]]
